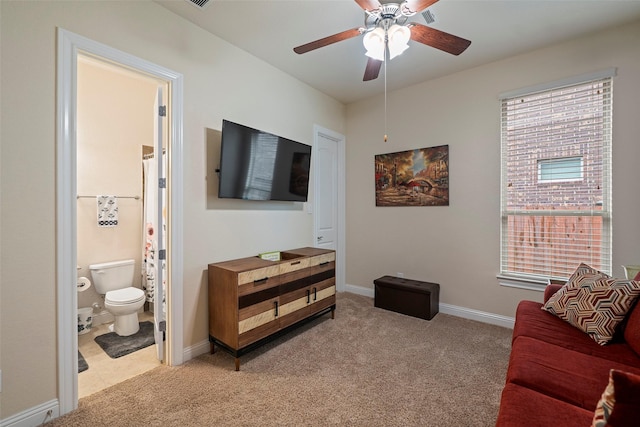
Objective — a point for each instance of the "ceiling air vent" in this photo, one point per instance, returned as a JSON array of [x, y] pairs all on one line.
[[200, 4], [429, 17]]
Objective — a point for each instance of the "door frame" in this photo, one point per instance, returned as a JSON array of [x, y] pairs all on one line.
[[68, 47], [319, 131]]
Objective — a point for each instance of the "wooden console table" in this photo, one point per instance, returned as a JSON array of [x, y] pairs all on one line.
[[252, 300]]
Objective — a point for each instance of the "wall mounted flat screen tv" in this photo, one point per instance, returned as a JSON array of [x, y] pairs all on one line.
[[257, 165]]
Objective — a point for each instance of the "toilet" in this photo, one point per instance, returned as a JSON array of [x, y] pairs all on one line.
[[113, 280]]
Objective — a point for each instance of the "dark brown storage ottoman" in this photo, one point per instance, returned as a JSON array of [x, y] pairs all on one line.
[[406, 296]]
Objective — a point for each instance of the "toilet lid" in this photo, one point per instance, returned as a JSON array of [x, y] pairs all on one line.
[[124, 296]]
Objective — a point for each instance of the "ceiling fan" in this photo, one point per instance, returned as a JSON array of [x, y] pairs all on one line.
[[386, 29]]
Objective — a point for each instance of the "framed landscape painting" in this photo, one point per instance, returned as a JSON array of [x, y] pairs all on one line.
[[417, 177]]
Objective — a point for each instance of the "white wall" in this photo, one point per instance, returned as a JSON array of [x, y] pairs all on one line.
[[220, 81], [458, 246]]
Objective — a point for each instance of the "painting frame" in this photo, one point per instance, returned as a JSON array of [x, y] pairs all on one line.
[[417, 177]]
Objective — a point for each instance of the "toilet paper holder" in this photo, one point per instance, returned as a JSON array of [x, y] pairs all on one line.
[[83, 284]]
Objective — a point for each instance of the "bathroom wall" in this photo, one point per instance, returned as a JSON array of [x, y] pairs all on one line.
[[115, 118]]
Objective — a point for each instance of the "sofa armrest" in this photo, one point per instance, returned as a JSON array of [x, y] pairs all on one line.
[[553, 287]]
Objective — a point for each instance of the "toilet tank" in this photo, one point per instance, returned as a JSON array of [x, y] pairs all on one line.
[[110, 276]]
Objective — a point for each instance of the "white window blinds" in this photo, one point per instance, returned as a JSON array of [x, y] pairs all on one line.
[[556, 180]]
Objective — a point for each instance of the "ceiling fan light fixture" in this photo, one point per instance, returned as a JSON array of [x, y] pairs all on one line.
[[374, 43], [398, 39], [395, 50]]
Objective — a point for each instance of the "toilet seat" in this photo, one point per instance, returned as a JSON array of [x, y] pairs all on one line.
[[124, 296]]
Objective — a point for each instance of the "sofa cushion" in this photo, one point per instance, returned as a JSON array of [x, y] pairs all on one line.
[[594, 302], [550, 290], [619, 405], [563, 374], [535, 323], [632, 326], [523, 407], [632, 329]]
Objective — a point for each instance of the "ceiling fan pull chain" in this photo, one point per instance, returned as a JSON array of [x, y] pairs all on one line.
[[385, 96]]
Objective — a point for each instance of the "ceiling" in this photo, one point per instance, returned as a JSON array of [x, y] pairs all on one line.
[[270, 29]]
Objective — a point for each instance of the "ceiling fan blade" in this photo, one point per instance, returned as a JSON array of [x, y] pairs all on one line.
[[372, 70], [439, 39], [369, 4], [419, 5], [327, 41]]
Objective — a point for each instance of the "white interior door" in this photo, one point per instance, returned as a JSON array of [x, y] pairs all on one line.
[[160, 264], [326, 192], [329, 196]]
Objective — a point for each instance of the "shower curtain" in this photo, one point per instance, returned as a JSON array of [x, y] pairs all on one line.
[[149, 239]]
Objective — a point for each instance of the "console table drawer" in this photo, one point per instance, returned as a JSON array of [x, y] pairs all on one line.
[[322, 259], [292, 265], [258, 286], [258, 275]]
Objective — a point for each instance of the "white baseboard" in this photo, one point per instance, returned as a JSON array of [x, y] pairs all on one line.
[[453, 310], [367, 292], [34, 416], [196, 350], [480, 316]]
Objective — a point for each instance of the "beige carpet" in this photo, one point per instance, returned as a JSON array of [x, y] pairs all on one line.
[[367, 367]]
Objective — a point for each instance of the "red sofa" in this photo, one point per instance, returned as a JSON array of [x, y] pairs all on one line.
[[557, 373]]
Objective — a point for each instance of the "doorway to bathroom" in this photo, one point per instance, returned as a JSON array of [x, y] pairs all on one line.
[[117, 206], [94, 159]]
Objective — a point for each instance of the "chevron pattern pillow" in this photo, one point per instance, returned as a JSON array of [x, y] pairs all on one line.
[[594, 302], [620, 402], [557, 303]]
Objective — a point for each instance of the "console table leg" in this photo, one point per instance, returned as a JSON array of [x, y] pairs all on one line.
[[333, 314], [212, 348], [237, 363]]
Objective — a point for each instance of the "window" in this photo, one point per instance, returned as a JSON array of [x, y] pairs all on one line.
[[559, 170], [556, 179]]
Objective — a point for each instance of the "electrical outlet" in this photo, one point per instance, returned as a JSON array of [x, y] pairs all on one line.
[[400, 275]]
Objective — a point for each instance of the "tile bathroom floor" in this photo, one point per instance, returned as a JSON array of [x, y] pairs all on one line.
[[104, 371]]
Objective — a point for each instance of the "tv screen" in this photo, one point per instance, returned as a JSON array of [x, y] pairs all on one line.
[[257, 165]]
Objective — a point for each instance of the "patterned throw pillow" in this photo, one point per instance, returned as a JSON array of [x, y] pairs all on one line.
[[605, 404], [557, 303], [620, 403], [594, 302]]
